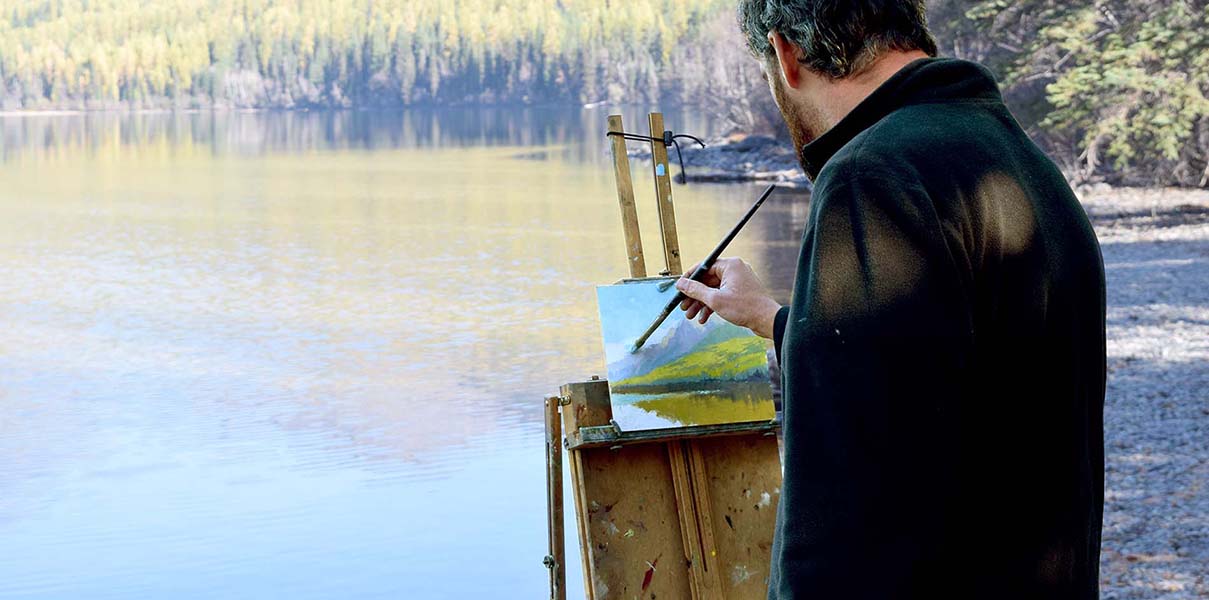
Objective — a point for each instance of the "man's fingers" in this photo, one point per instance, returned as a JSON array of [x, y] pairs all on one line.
[[695, 290], [721, 265], [727, 265], [717, 272], [693, 310], [689, 304], [706, 313], [694, 307]]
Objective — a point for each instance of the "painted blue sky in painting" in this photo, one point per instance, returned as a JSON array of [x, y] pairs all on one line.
[[627, 309]]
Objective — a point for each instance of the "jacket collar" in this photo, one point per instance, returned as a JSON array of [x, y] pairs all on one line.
[[927, 80]]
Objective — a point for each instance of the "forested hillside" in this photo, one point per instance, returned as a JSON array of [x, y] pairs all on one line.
[[1113, 89], [283, 53]]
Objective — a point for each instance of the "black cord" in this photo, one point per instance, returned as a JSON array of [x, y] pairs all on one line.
[[668, 139]]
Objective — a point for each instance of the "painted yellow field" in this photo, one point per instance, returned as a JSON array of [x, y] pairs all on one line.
[[733, 360]]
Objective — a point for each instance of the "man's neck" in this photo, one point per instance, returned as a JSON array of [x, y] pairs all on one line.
[[838, 98]]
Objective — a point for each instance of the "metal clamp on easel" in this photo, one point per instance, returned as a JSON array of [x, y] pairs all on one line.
[[669, 138], [670, 513]]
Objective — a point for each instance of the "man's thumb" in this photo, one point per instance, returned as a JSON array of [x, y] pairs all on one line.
[[695, 290]]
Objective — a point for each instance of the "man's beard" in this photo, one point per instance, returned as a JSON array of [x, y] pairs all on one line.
[[805, 123]]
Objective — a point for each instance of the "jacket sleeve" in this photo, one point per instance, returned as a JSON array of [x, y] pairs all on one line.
[[778, 330], [873, 359]]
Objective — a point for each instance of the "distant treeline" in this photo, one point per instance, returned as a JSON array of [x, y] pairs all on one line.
[[283, 53], [1114, 89]]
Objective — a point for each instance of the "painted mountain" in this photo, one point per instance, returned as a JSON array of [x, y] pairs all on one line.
[[687, 373], [692, 356]]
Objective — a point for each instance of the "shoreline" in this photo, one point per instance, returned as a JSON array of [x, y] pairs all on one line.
[[762, 159], [227, 108], [735, 159]]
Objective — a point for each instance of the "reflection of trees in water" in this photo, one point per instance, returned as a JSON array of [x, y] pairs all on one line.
[[780, 231], [255, 133]]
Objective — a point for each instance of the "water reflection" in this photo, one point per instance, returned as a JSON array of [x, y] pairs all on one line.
[[67, 136], [303, 354]]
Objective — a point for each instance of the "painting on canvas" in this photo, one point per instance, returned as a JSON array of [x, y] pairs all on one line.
[[686, 373]]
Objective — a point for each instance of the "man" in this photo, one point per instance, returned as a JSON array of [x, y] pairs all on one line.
[[943, 356]]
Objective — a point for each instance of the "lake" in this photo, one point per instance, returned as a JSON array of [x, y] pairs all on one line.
[[304, 354]]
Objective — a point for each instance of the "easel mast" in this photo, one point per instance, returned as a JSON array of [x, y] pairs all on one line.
[[625, 197], [675, 513], [663, 196]]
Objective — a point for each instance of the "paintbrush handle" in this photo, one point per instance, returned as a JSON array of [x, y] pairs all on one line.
[[713, 256], [702, 270]]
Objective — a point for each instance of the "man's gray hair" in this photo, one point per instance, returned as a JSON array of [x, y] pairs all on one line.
[[838, 38]]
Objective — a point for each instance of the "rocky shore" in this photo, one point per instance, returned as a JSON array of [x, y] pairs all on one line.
[[735, 159]]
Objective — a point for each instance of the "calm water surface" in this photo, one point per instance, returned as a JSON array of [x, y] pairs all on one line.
[[303, 355]]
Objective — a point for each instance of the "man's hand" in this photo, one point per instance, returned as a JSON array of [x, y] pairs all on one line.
[[734, 292]]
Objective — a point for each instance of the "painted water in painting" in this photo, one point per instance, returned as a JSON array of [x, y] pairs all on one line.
[[686, 373]]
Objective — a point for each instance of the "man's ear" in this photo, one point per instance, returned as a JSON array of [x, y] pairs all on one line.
[[787, 58]]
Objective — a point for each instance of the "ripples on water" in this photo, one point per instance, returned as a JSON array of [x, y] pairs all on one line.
[[303, 354]]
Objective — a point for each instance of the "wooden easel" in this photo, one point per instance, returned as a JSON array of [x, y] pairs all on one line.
[[676, 513]]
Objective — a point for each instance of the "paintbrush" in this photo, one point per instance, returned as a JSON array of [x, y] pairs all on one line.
[[701, 270]]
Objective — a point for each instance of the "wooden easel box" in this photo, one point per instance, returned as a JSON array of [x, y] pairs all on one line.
[[686, 512]]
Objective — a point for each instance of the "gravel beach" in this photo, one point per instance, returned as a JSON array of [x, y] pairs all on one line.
[[1156, 413]]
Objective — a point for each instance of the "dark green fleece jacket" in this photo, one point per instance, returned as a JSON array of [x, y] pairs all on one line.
[[943, 358]]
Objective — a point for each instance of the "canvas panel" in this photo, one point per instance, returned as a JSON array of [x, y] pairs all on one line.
[[687, 373]]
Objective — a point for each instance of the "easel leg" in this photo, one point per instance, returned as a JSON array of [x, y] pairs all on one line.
[[554, 500]]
